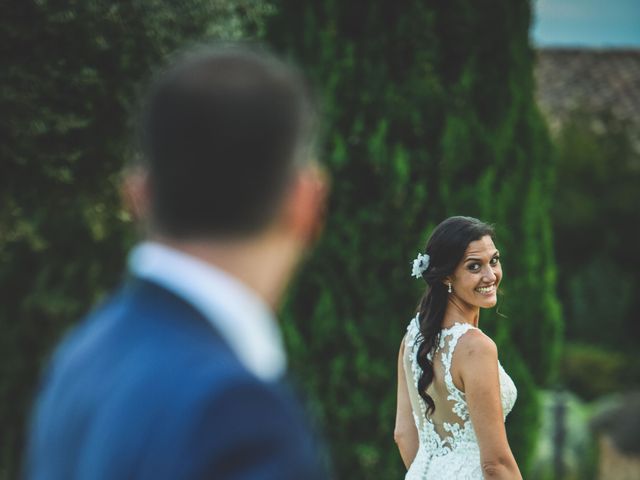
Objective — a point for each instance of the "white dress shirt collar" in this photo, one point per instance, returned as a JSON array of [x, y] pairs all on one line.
[[245, 322]]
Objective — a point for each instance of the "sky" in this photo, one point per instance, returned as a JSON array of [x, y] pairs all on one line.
[[586, 23]]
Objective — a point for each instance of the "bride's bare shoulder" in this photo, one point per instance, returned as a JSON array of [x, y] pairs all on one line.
[[475, 356], [476, 346]]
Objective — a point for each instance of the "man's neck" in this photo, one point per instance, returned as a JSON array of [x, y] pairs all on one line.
[[263, 264]]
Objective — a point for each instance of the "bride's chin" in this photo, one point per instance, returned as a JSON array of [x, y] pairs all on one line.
[[489, 303]]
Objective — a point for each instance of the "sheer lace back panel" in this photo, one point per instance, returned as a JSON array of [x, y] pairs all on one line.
[[448, 429]]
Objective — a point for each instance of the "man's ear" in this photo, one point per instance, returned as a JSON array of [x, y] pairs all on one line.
[[136, 193], [305, 205]]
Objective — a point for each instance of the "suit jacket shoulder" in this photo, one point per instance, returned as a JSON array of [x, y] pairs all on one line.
[[146, 388]]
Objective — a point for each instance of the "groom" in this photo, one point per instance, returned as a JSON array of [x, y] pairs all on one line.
[[179, 374]]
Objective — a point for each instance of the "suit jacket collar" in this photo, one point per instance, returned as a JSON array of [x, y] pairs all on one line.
[[243, 320]]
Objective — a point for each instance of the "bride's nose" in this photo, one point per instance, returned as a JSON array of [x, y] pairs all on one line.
[[489, 274]]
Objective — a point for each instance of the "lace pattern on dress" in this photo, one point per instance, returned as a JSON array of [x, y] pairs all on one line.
[[460, 439]]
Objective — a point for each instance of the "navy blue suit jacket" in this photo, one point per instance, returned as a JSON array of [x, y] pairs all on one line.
[[146, 388]]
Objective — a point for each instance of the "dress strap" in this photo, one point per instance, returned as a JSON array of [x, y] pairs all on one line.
[[413, 370], [454, 332], [413, 331]]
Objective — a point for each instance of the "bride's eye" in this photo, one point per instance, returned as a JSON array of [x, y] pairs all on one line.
[[474, 267], [495, 260]]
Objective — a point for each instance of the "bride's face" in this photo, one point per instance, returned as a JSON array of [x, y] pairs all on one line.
[[476, 279]]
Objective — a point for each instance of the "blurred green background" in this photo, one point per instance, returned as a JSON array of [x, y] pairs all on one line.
[[429, 110]]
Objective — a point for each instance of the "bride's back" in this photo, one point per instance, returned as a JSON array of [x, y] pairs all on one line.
[[438, 391], [445, 395]]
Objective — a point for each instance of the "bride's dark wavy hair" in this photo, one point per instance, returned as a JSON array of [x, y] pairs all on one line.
[[445, 247]]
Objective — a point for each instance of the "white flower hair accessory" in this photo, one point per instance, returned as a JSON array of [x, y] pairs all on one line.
[[420, 264]]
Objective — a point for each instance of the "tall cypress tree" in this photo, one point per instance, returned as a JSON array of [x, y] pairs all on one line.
[[429, 112]]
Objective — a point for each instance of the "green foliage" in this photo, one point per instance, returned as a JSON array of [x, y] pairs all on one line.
[[597, 224], [429, 113], [70, 78], [592, 372]]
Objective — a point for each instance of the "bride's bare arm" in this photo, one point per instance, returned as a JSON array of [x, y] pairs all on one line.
[[477, 363], [405, 432]]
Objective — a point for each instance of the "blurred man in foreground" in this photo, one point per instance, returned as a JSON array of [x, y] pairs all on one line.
[[179, 375]]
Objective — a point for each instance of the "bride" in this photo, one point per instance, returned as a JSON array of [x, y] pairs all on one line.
[[453, 394]]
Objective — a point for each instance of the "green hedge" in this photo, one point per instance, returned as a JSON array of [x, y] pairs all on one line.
[[70, 78]]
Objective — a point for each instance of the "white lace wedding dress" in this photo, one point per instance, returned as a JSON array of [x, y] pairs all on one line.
[[448, 446]]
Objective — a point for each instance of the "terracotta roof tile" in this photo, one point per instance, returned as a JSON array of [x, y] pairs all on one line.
[[588, 80]]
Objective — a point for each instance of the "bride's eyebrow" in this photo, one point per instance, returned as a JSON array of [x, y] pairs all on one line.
[[479, 259]]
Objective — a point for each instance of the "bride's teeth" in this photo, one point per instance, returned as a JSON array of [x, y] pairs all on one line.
[[485, 289]]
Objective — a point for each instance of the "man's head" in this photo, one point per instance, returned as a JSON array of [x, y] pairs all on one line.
[[224, 132]]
